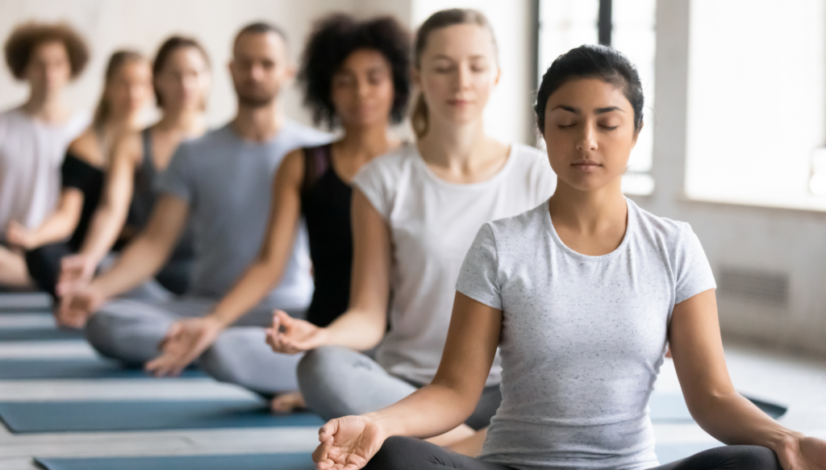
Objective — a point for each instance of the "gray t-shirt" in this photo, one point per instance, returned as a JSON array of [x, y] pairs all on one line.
[[227, 182], [583, 337]]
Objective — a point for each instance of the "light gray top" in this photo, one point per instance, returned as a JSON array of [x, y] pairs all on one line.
[[583, 337], [227, 182], [31, 154], [432, 223]]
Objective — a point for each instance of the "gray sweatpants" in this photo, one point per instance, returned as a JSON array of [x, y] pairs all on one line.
[[130, 331], [338, 382]]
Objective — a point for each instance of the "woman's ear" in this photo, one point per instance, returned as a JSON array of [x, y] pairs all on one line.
[[498, 76]]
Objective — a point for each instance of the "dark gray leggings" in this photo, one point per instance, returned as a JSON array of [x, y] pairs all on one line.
[[404, 453]]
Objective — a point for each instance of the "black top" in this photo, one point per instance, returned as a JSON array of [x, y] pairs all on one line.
[[87, 178], [325, 205]]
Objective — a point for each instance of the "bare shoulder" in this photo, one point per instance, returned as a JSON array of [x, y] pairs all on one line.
[[128, 147], [87, 148], [291, 170]]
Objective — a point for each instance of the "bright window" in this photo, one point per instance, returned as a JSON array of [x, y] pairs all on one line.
[[756, 103]]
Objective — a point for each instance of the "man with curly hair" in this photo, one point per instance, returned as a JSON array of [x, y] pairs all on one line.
[[34, 136]]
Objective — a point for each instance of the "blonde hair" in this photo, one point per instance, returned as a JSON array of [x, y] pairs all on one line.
[[116, 62], [441, 19]]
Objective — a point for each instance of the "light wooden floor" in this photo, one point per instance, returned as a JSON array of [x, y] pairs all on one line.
[[796, 382]]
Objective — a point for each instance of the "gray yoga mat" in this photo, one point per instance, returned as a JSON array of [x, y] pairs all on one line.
[[92, 368], [144, 415], [292, 461]]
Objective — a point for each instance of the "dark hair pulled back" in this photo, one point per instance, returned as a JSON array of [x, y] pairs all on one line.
[[591, 61]]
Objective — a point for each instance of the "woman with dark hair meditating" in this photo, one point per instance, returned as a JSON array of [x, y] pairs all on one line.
[[581, 295]]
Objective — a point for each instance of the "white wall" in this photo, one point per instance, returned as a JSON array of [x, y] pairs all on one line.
[[786, 242], [144, 24]]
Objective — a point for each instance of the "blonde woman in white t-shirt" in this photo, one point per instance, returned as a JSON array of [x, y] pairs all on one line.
[[415, 213]]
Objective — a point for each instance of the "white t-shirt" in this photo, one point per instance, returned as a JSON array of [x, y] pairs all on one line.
[[432, 224], [31, 153], [583, 337]]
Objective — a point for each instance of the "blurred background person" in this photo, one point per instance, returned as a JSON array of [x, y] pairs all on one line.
[[35, 135], [356, 77], [126, 93], [182, 79]]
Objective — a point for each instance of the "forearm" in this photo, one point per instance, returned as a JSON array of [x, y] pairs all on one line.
[[430, 411], [140, 261], [355, 329], [103, 233], [256, 282], [57, 227], [734, 420]]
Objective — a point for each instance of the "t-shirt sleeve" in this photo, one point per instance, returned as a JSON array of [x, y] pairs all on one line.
[[693, 271], [372, 181], [177, 179], [75, 173], [478, 277]]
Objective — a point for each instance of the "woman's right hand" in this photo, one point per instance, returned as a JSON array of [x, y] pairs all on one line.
[[348, 443], [290, 335]]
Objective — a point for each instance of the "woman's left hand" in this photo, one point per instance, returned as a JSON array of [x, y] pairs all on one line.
[[803, 453], [18, 235]]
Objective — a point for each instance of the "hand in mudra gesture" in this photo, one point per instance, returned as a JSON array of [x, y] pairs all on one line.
[[803, 453], [347, 443], [289, 335]]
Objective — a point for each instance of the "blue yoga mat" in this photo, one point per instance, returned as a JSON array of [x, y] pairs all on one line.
[[28, 369], [144, 415], [199, 462], [25, 301], [39, 334]]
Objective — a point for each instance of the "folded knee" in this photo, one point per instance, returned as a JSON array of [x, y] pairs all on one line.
[[397, 453]]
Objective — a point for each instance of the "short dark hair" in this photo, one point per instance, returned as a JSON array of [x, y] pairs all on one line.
[[167, 48], [262, 27], [337, 36], [28, 36], [591, 61]]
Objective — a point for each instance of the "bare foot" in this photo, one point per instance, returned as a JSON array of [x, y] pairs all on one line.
[[287, 402]]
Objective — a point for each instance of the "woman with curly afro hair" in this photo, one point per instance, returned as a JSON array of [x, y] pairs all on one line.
[[34, 136], [355, 78]]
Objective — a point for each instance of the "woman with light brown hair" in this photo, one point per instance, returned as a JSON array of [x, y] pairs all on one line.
[[182, 79], [126, 92], [34, 136]]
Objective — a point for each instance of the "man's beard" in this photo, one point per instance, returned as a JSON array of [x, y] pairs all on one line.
[[253, 100]]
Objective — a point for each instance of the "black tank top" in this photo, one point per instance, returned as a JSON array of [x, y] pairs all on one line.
[[325, 205], [78, 174], [144, 197]]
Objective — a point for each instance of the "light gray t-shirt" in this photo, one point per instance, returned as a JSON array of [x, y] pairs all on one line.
[[432, 224], [583, 337], [31, 153], [227, 182]]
